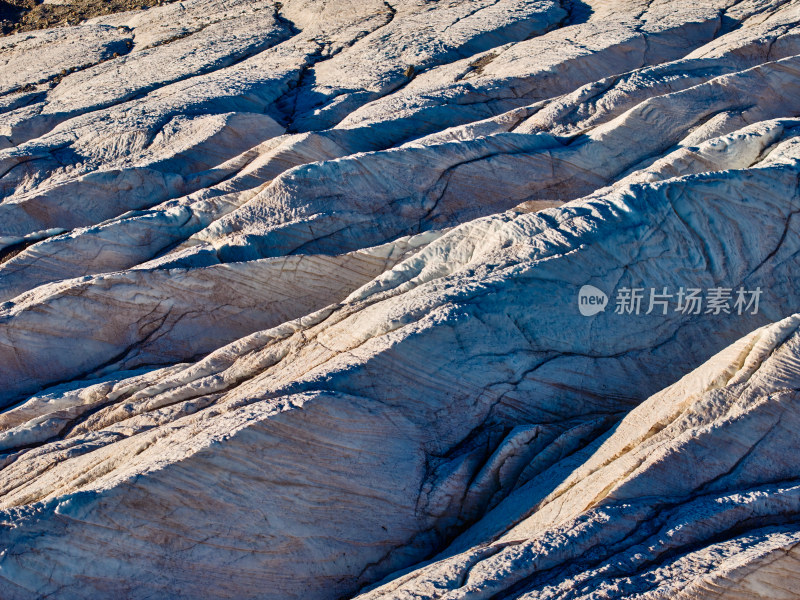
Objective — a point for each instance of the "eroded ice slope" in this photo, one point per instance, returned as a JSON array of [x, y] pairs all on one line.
[[289, 301]]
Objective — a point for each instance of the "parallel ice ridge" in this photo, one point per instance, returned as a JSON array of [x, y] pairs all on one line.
[[288, 301]]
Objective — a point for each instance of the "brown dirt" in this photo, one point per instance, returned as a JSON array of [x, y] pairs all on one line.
[[479, 65], [26, 15]]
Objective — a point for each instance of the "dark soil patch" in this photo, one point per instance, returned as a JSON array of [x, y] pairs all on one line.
[[479, 65], [26, 15]]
